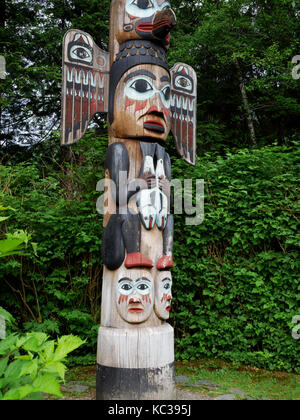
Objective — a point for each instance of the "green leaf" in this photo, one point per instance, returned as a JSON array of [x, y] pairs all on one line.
[[18, 393], [6, 315], [47, 350], [57, 367], [14, 369], [3, 365], [29, 368], [66, 344], [48, 384], [8, 344]]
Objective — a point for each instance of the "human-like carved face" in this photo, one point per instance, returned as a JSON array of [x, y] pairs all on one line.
[[143, 19], [142, 104], [135, 296], [163, 295]]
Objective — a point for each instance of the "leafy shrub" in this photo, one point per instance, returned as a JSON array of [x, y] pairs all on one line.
[[31, 364], [236, 280]]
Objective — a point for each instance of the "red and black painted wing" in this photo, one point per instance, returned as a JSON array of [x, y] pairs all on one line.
[[184, 110], [85, 84]]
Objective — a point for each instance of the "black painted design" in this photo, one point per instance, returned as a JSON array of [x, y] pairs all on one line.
[[133, 384], [116, 161], [123, 232]]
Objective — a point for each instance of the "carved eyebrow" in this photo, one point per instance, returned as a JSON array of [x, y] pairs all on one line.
[[140, 73], [144, 279], [165, 79], [125, 279], [167, 279]]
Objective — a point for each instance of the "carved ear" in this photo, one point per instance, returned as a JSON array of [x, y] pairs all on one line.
[[184, 110], [85, 84]]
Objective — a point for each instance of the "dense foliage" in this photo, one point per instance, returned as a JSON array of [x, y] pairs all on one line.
[[236, 280], [242, 52]]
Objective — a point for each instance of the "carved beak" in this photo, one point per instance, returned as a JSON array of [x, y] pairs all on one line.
[[164, 21], [159, 26]]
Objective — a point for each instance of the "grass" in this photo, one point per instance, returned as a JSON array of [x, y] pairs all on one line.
[[256, 383]]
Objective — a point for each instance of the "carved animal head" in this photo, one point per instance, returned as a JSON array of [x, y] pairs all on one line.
[[141, 19]]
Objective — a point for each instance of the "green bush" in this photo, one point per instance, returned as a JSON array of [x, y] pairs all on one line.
[[237, 274], [236, 279], [31, 364]]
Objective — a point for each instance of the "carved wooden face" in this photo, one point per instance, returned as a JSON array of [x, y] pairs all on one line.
[[142, 104], [135, 296], [163, 295], [142, 19]]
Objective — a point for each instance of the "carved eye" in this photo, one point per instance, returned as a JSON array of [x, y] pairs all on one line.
[[141, 8], [81, 53], [167, 285], [141, 86], [183, 83], [167, 93], [125, 287], [143, 4], [143, 287]]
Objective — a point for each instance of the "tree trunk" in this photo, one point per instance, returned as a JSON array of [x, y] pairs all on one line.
[[246, 105]]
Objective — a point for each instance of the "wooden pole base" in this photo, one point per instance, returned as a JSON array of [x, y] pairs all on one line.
[[136, 364]]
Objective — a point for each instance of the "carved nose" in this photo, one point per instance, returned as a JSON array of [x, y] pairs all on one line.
[[164, 21]]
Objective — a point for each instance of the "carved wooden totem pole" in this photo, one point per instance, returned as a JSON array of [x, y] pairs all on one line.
[[144, 100]]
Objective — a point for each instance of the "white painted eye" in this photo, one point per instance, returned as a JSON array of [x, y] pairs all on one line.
[[81, 53], [141, 8], [167, 285], [143, 4], [166, 96], [125, 288], [143, 287], [141, 86], [183, 83], [139, 89]]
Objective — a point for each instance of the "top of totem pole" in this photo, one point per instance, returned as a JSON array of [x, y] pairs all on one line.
[[96, 81], [150, 20]]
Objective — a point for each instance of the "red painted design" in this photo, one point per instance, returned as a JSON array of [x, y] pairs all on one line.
[[166, 298], [129, 103], [167, 113], [144, 27], [137, 260], [140, 105], [123, 298], [165, 262], [162, 22]]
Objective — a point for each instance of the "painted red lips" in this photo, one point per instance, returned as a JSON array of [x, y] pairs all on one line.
[[137, 310], [153, 125]]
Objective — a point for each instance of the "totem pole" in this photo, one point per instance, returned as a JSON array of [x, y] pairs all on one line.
[[144, 100]]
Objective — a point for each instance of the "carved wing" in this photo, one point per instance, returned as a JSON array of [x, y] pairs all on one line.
[[85, 84], [184, 110]]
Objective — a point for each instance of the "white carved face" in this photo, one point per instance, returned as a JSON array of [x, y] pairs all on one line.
[[135, 296], [163, 295]]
